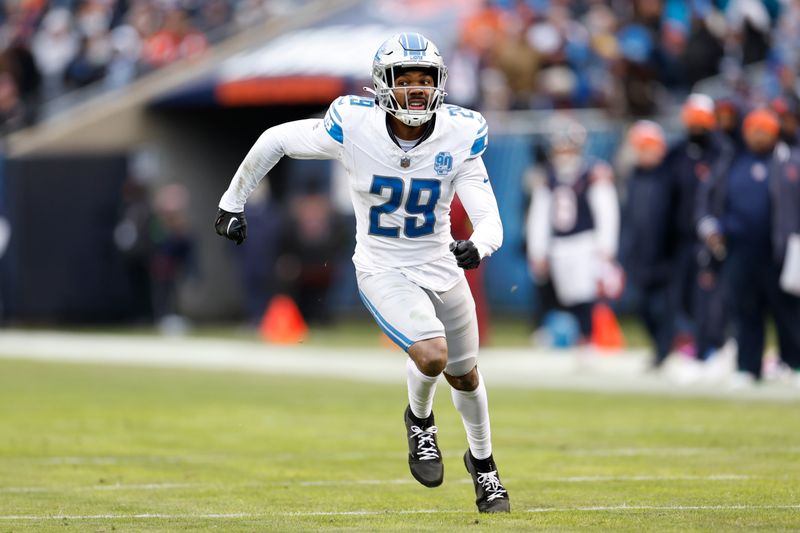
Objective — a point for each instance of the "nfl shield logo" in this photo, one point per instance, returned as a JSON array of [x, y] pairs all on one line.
[[443, 163]]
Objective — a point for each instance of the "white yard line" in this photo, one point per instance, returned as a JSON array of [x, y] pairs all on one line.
[[102, 460], [600, 479], [300, 514], [362, 482], [616, 508], [115, 486], [678, 451]]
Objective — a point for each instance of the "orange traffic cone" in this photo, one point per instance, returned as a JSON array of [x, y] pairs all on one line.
[[606, 333], [282, 322]]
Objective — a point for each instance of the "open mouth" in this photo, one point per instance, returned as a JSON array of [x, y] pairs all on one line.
[[417, 104]]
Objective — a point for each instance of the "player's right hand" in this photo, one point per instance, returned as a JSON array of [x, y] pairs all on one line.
[[232, 226], [467, 255]]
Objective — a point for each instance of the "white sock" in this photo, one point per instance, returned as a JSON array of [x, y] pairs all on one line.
[[474, 408], [420, 390]]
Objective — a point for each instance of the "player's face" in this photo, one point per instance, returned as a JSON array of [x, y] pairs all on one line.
[[413, 89], [760, 141], [650, 156]]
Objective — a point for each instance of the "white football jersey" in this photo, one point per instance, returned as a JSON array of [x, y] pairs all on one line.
[[401, 199]]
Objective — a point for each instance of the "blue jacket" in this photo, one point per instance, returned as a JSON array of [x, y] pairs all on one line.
[[647, 244], [784, 189], [688, 163]]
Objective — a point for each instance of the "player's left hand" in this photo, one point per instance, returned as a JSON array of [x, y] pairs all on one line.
[[467, 255]]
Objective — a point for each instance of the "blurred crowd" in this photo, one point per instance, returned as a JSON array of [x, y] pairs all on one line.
[[632, 57], [703, 233], [49, 48]]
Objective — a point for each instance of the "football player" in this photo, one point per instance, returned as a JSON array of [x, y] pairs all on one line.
[[406, 154], [573, 224]]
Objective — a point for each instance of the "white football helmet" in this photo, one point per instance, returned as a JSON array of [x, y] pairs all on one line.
[[401, 52]]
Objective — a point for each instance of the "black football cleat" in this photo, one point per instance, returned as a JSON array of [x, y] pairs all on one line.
[[424, 457], [491, 495]]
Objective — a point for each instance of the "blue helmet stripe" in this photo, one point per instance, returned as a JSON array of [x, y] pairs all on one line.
[[413, 42]]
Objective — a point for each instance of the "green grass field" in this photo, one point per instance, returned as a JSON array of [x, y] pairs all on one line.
[[93, 448]]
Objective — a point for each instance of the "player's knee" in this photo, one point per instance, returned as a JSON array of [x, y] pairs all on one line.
[[467, 382], [430, 355]]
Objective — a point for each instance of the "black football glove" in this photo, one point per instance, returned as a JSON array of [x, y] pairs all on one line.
[[232, 226], [467, 256]]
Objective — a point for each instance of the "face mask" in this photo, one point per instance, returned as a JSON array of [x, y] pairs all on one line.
[[700, 139]]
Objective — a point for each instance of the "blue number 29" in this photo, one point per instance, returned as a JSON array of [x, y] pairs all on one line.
[[416, 204]]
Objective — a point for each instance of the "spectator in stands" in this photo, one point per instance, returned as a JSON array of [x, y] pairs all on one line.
[[647, 248], [573, 222], [126, 48], [213, 15], [18, 61], [177, 39], [518, 62], [54, 46], [704, 48], [748, 214], [88, 65], [750, 24]]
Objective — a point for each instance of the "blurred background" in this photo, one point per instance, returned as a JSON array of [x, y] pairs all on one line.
[[123, 121]]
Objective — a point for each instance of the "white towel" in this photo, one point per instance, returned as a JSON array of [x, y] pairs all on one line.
[[790, 275]]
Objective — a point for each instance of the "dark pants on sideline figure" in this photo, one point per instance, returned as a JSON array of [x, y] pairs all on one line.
[[751, 284], [583, 313], [655, 310], [710, 313]]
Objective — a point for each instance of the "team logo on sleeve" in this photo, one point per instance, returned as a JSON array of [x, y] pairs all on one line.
[[443, 163]]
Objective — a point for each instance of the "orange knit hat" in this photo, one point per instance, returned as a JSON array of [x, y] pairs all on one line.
[[698, 111], [762, 119], [646, 134]]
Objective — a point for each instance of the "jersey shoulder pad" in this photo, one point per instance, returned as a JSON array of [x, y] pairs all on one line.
[[471, 126], [342, 111]]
